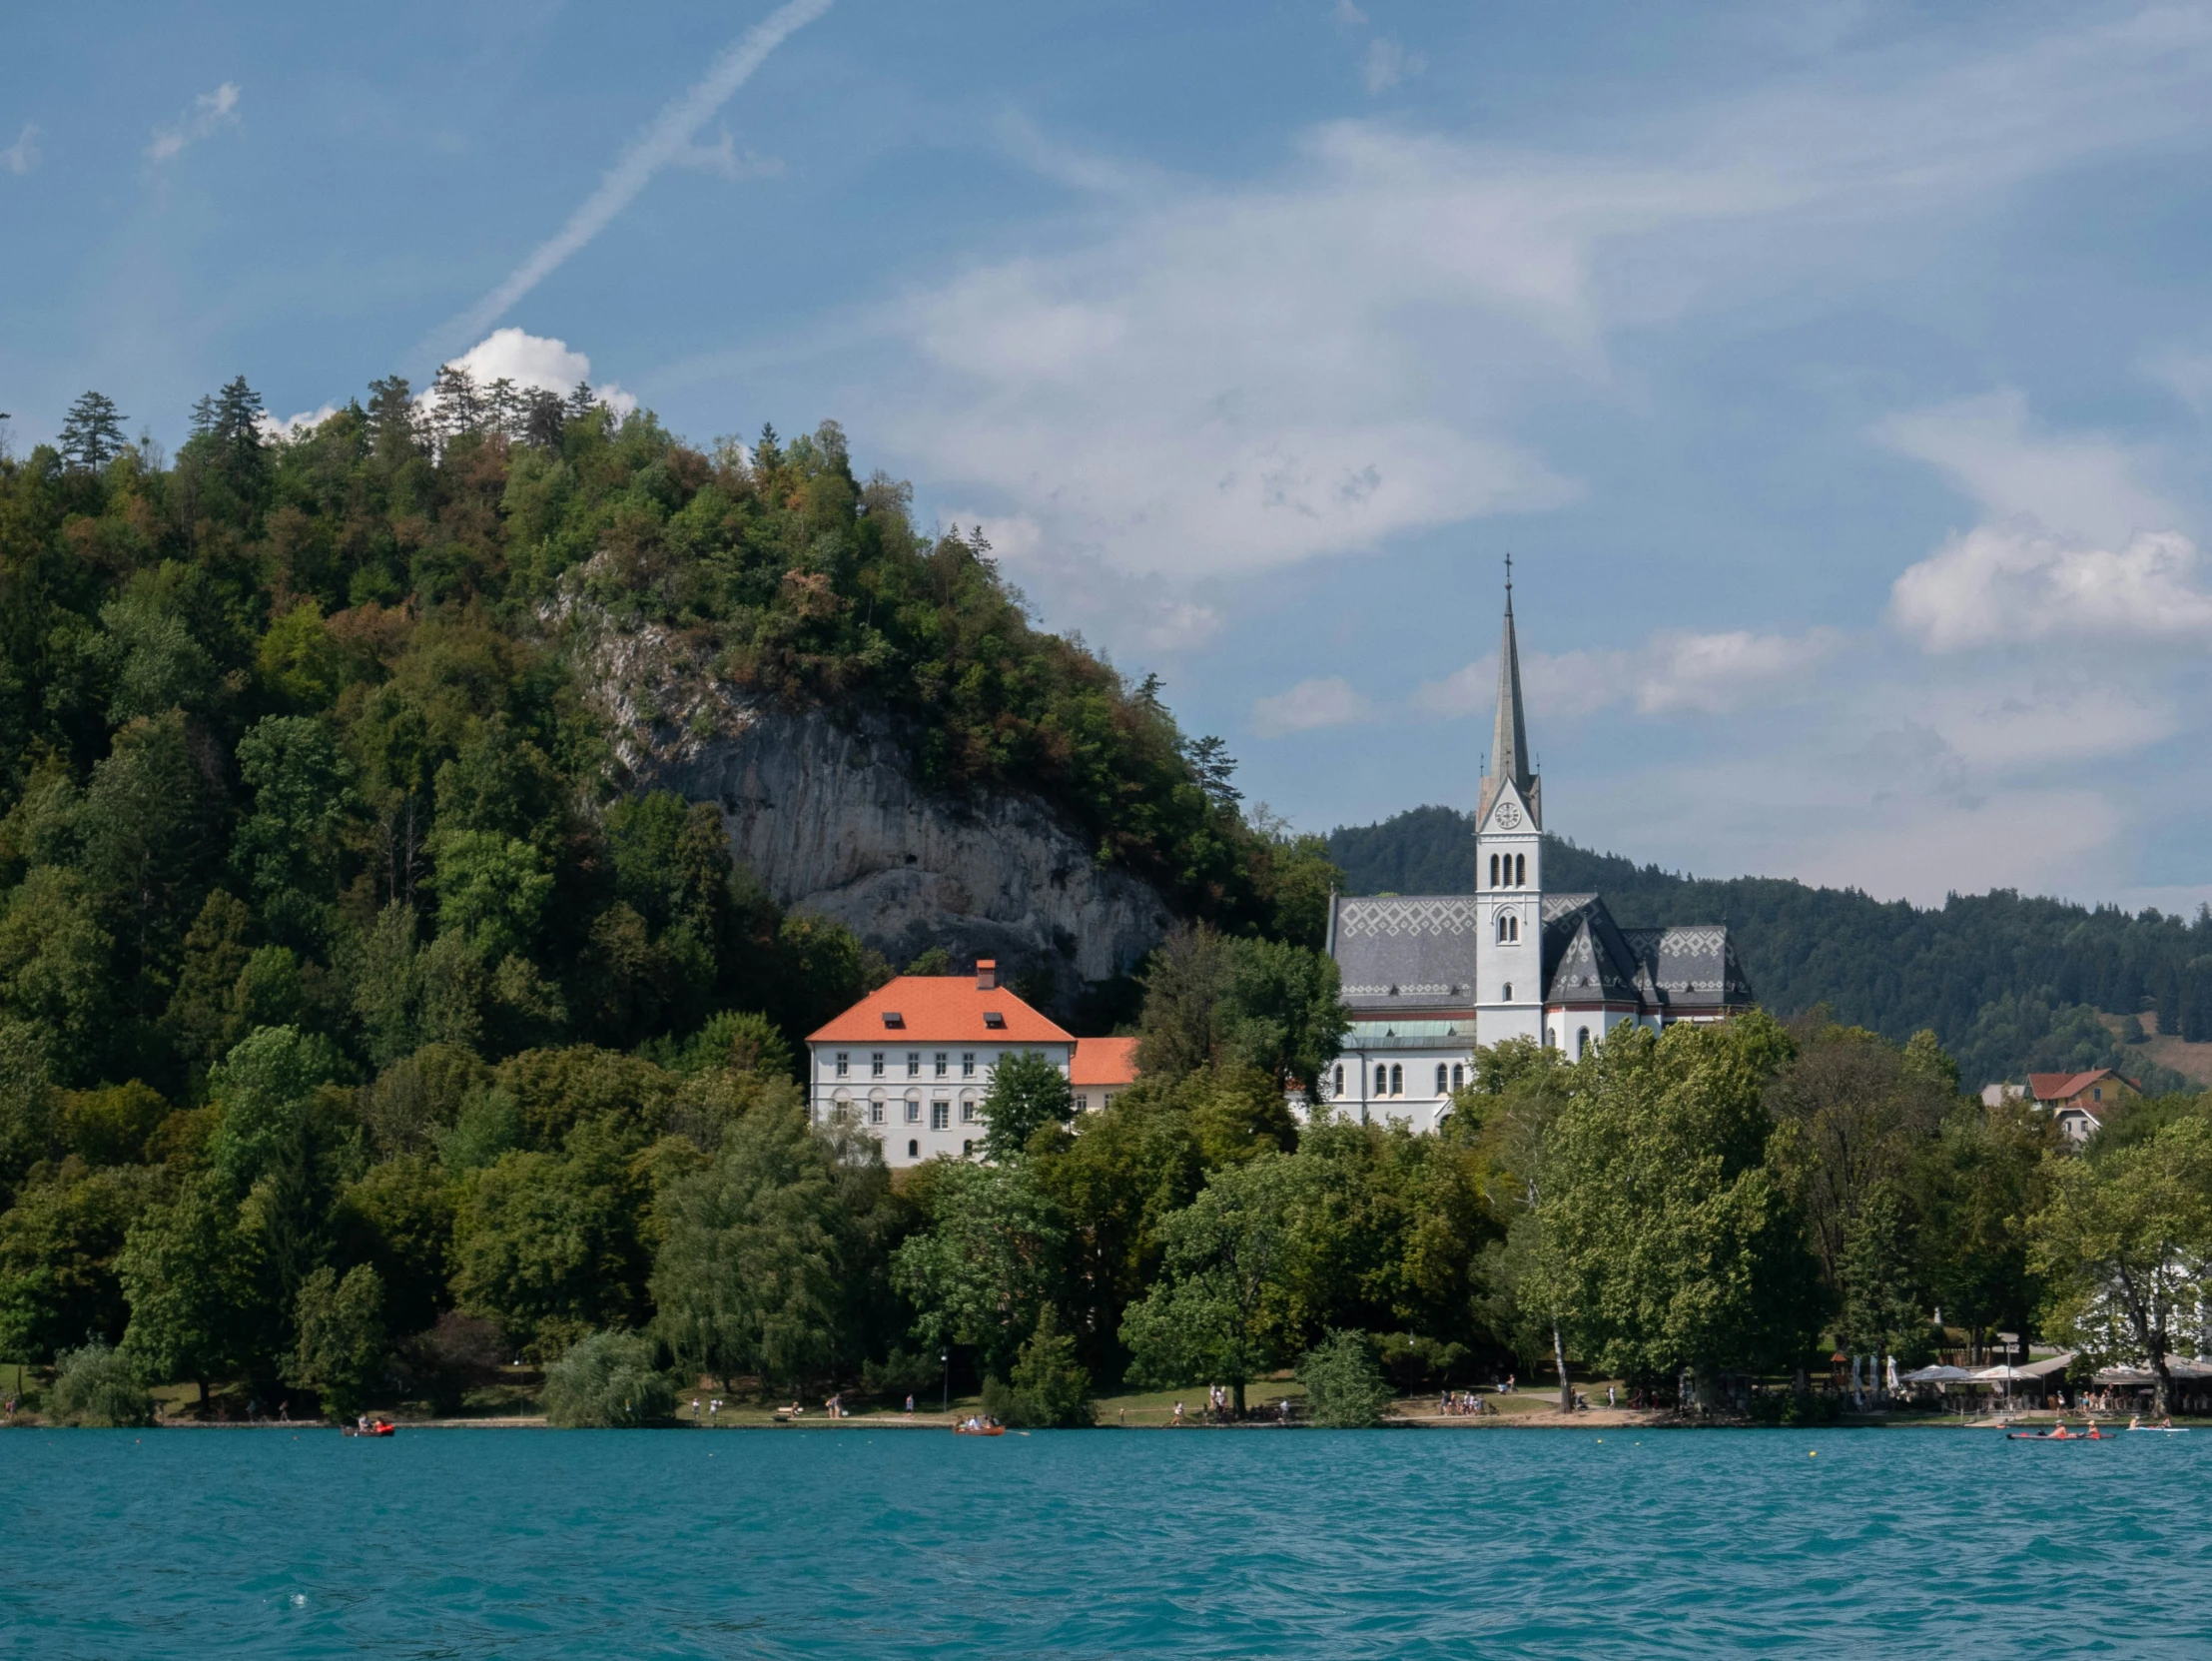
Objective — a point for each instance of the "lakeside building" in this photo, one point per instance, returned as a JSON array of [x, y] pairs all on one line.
[[1428, 977], [912, 1060], [2079, 1100]]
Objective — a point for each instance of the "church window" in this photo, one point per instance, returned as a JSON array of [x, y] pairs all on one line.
[[1582, 1043], [1397, 1080], [1339, 1079], [1382, 1080], [1509, 991], [1439, 1077], [1493, 870], [1519, 870], [1459, 1075]]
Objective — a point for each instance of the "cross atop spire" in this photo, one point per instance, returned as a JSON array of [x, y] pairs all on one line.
[[1509, 743]]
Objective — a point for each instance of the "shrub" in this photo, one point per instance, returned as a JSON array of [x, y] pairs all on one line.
[[1342, 1381], [98, 1386], [1052, 1389], [608, 1382], [902, 1373]]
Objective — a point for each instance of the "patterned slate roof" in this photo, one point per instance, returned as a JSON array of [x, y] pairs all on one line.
[[1406, 951]]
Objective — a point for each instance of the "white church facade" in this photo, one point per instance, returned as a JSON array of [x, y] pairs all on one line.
[[1428, 977]]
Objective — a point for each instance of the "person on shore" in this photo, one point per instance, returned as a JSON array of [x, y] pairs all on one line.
[[1178, 1416], [1609, 1398], [1508, 1384], [694, 1406], [910, 1407]]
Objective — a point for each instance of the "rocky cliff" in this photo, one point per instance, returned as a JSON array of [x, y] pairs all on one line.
[[828, 812]]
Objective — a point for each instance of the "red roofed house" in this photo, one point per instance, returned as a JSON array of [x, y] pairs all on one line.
[[2079, 1100], [912, 1060], [1104, 1067]]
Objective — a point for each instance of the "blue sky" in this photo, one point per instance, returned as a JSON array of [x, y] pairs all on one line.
[[1839, 374]]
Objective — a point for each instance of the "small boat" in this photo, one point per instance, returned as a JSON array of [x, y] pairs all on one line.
[[370, 1427], [985, 1428], [2062, 1434]]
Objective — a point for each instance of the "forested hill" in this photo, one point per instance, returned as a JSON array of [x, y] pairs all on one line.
[[291, 735], [2007, 983]]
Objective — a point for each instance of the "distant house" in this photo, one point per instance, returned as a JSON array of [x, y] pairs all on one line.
[[913, 1060], [1104, 1068], [2079, 1100]]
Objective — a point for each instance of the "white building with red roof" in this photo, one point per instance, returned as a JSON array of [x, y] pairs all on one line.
[[2079, 1100], [912, 1060], [1104, 1068]]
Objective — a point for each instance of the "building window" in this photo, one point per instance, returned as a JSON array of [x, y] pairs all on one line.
[[967, 1113], [941, 1116], [943, 1064], [1106, 1101], [1083, 1104], [1459, 1075], [1509, 991], [967, 1064], [843, 1058], [1340, 1090], [966, 1148], [875, 1113], [1509, 927], [1439, 1077], [1582, 1043], [914, 1110], [1397, 1080], [875, 1065], [914, 1064], [1382, 1080], [914, 1149], [1493, 870]]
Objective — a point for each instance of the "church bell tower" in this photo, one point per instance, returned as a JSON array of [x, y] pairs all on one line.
[[1509, 872]]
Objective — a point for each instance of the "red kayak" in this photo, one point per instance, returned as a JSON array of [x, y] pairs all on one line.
[[375, 1427], [2062, 1434]]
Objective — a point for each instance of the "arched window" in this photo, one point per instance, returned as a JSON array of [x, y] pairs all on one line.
[[1397, 1080], [914, 1149], [1519, 870], [1382, 1080], [1509, 991], [1459, 1075], [1582, 1043], [1339, 1079], [1493, 870], [1439, 1077]]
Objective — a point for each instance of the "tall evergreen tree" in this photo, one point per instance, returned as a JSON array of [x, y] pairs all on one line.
[[92, 436]]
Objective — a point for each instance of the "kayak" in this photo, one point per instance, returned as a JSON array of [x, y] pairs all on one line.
[[2055, 1436], [383, 1428]]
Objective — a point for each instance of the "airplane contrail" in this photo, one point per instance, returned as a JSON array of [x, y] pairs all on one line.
[[652, 150]]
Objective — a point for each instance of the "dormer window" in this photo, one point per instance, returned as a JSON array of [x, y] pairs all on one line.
[[892, 1018], [995, 1018]]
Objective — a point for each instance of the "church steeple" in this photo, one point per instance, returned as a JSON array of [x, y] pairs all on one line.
[[1509, 740]]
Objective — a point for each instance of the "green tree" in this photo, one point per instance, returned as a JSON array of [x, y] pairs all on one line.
[[99, 1387], [1027, 1093], [1666, 1239], [189, 1274], [342, 1342], [987, 1263], [750, 1276], [1228, 1261], [1343, 1384], [2124, 1239], [1051, 1387], [58, 1250], [1263, 1004], [607, 1381], [287, 850], [92, 436]]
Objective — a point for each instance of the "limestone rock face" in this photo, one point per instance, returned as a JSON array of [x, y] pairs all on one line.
[[829, 815]]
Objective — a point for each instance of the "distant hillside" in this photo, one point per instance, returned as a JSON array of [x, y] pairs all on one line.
[[2007, 983]]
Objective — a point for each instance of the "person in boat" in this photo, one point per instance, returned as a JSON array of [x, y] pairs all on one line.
[[2135, 1421]]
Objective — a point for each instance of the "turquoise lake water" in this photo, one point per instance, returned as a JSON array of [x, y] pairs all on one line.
[[892, 1543]]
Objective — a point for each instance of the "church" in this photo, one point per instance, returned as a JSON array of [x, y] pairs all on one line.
[[1427, 977]]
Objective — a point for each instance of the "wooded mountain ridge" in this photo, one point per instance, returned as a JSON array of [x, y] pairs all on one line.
[[2009, 982]]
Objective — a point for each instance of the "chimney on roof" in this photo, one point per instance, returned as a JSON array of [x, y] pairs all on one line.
[[987, 974]]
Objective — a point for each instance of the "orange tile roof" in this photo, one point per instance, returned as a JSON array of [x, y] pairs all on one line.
[[1104, 1061], [2061, 1087], [939, 1008]]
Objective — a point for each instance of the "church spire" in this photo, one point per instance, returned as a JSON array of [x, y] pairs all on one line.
[[1509, 742]]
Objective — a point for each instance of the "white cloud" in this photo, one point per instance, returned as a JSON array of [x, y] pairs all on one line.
[[671, 138], [726, 158], [536, 361], [291, 426], [23, 154], [2015, 583], [2086, 484], [1328, 701], [1673, 672], [1180, 625], [1387, 63], [2186, 374], [209, 112], [1205, 379], [1349, 15]]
